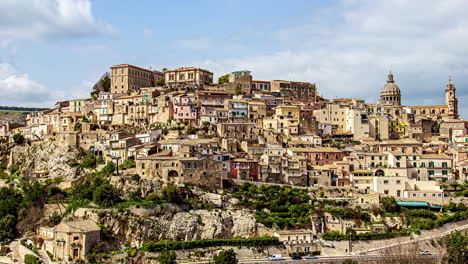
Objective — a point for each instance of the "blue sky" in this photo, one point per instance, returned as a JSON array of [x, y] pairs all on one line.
[[54, 50]]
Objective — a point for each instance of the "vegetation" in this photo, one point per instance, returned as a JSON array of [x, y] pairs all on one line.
[[390, 205], [106, 84], [281, 207], [223, 79], [167, 257], [238, 89], [337, 236], [160, 82], [457, 248], [31, 259], [171, 193], [95, 189], [191, 130], [21, 109], [226, 257], [89, 161], [127, 164], [236, 242], [349, 261], [18, 139]]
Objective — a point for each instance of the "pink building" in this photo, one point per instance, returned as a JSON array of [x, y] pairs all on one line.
[[184, 109]]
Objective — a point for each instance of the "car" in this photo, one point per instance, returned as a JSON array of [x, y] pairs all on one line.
[[296, 257], [425, 252], [276, 257], [311, 257], [329, 245]]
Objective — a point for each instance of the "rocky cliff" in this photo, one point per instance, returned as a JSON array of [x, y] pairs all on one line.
[[47, 155], [134, 226]]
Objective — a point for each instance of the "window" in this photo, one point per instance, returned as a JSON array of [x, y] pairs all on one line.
[[445, 172], [398, 164], [385, 181], [75, 238], [385, 191], [398, 193], [398, 182], [444, 165], [431, 173], [431, 164]]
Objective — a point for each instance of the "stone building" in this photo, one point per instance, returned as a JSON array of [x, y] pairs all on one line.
[[126, 78], [70, 240], [181, 171], [188, 76]]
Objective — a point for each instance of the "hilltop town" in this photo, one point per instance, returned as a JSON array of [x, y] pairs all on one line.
[[174, 156]]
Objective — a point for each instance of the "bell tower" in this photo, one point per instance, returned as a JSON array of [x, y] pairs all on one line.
[[451, 100]]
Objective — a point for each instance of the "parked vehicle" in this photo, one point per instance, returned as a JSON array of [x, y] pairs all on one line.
[[425, 252], [296, 257], [329, 245], [276, 257], [311, 257]]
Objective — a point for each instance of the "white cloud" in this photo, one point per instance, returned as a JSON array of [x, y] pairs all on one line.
[[44, 19], [349, 48], [18, 89]]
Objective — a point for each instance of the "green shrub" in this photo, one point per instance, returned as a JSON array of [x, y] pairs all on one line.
[[176, 245], [421, 213], [128, 164], [31, 259], [89, 161], [226, 257], [167, 257], [171, 193]]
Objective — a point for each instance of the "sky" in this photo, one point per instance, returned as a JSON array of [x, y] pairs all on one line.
[[52, 50]]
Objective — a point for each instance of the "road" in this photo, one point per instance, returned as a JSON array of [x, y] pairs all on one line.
[[331, 259], [420, 239]]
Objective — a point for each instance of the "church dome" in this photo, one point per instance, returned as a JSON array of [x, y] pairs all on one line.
[[390, 87], [391, 92]]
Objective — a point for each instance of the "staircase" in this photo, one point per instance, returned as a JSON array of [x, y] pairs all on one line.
[[44, 257]]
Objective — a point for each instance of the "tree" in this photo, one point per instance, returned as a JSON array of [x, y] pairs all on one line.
[[89, 161], [167, 257], [18, 138], [105, 195], [94, 94], [390, 205], [223, 79], [164, 69], [457, 248], [226, 257], [171, 193], [160, 82], [7, 227], [238, 89], [106, 84]]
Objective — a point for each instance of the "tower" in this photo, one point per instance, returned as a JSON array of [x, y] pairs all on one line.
[[451, 100]]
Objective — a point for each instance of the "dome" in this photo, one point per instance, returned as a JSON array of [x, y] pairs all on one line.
[[391, 92], [390, 88]]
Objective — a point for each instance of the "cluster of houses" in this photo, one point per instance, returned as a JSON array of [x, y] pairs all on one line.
[[181, 128]]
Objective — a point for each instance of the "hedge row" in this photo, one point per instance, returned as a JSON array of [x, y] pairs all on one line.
[[337, 236], [175, 245]]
